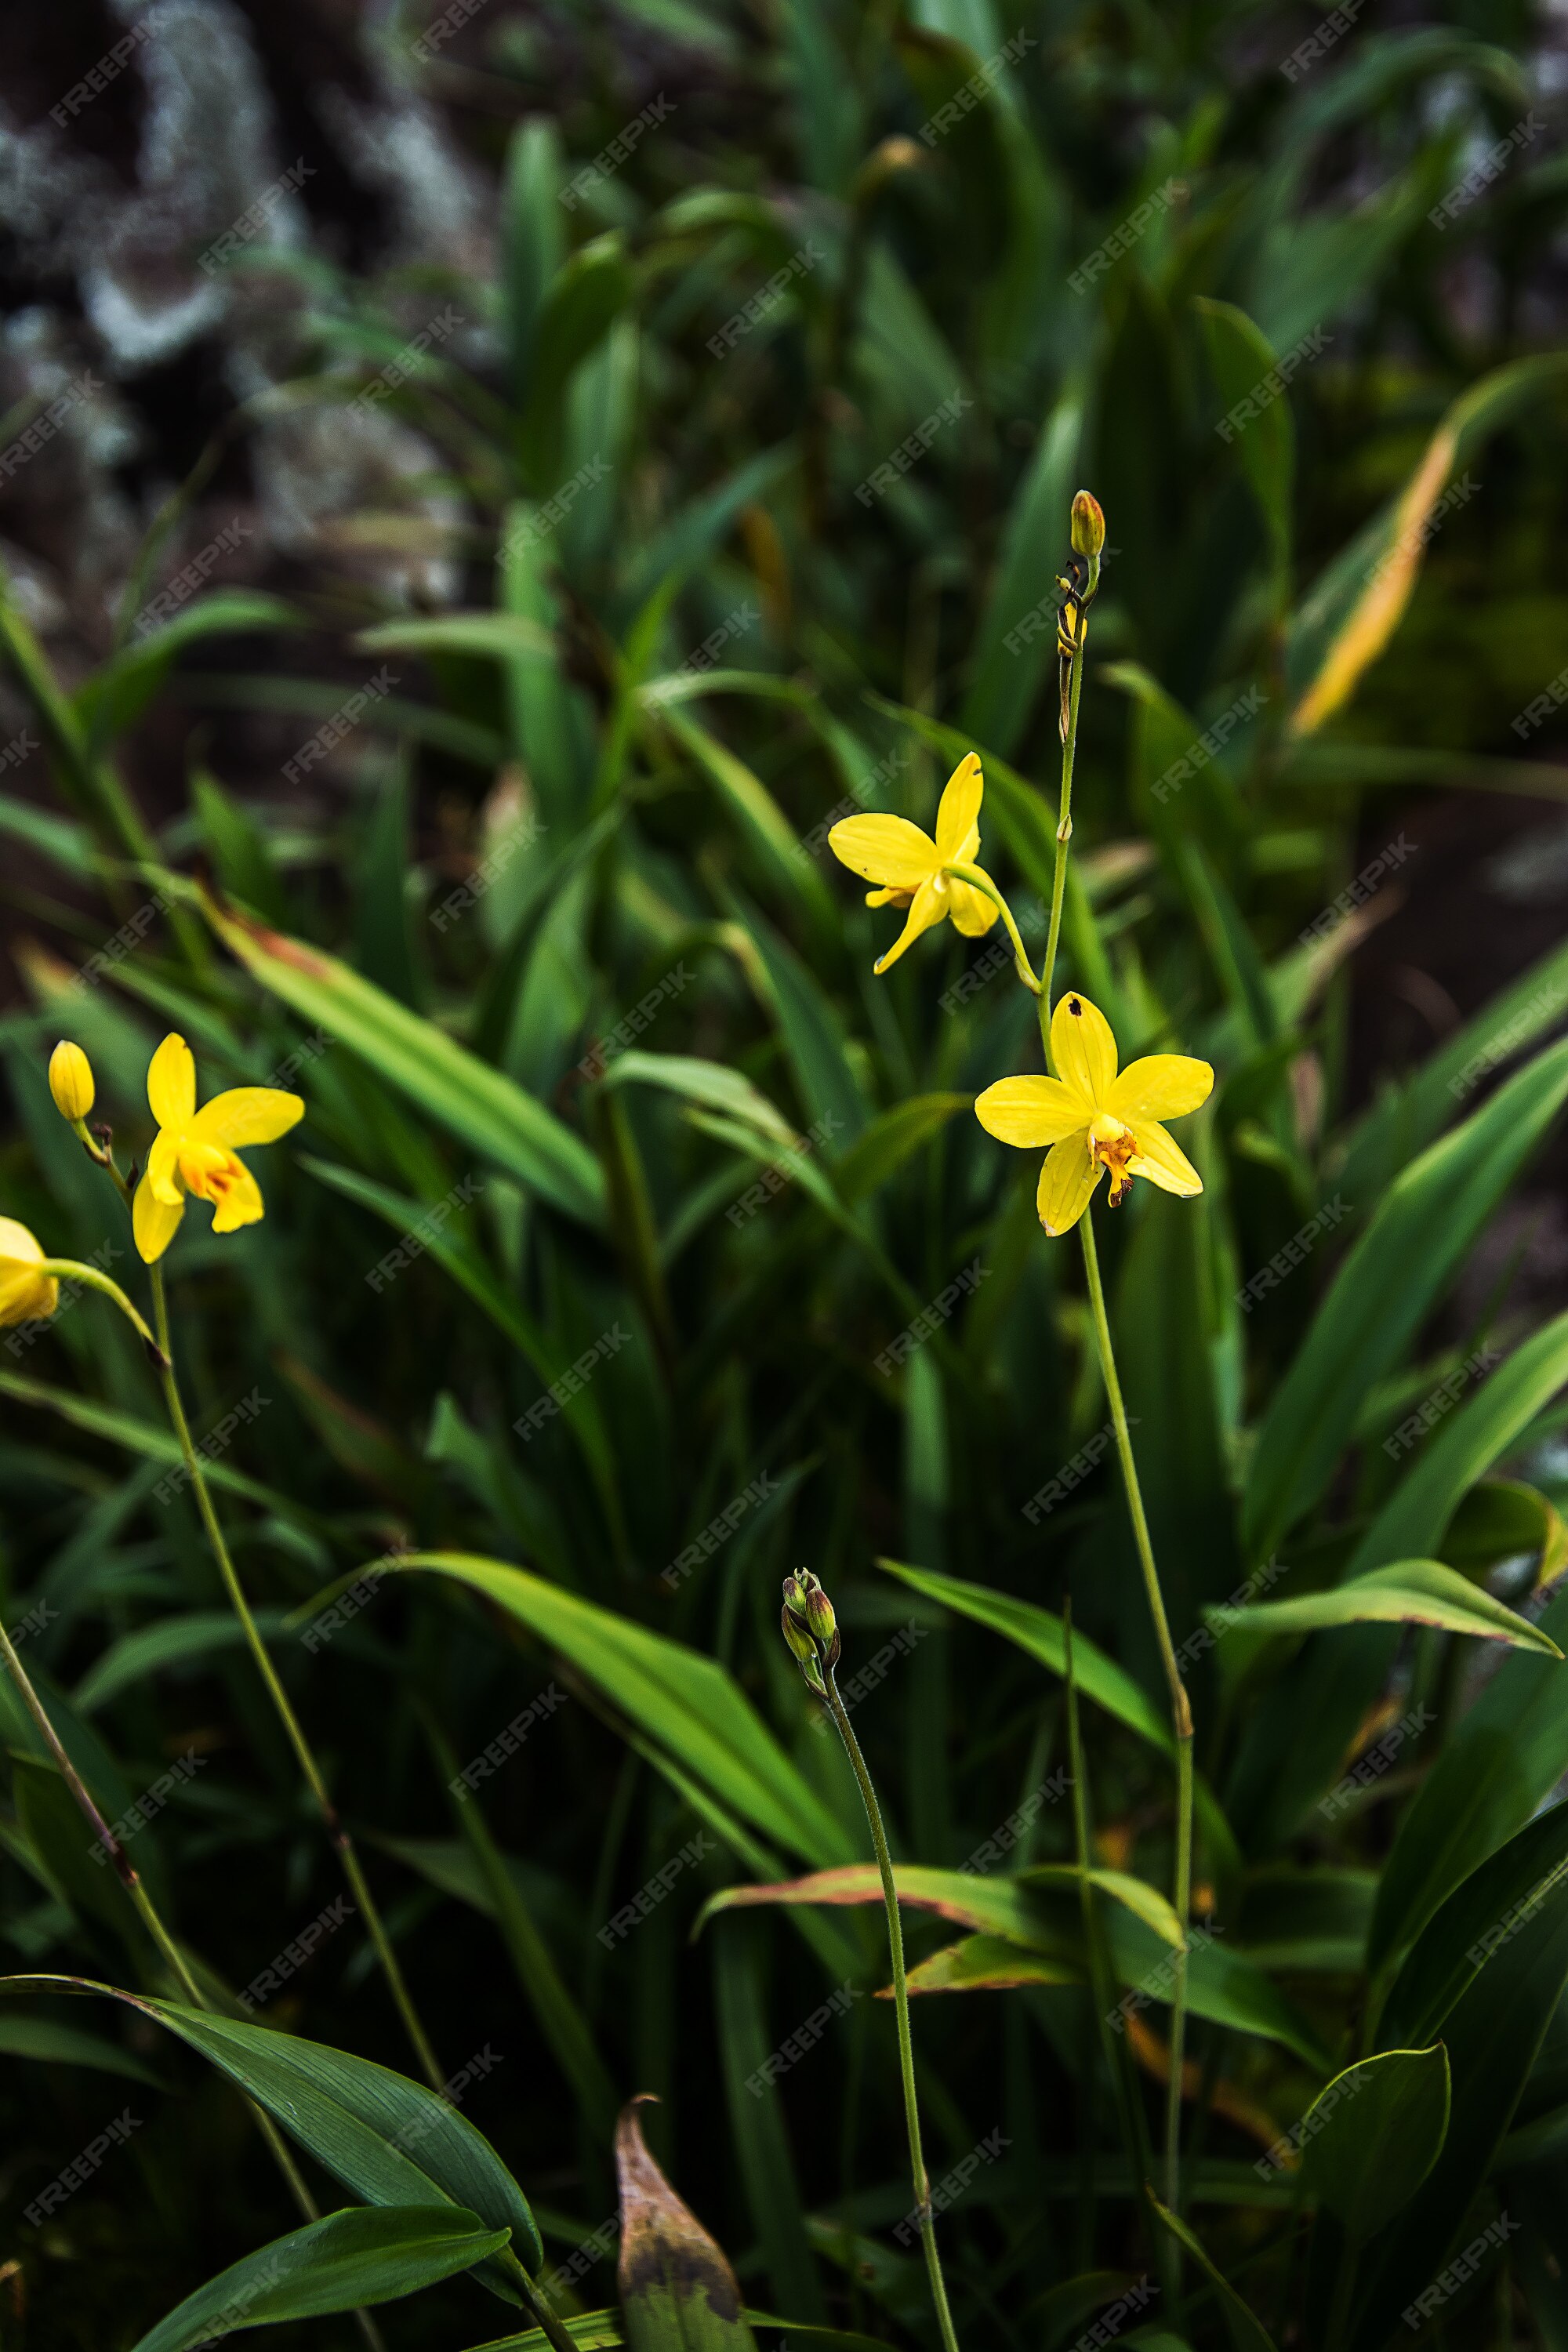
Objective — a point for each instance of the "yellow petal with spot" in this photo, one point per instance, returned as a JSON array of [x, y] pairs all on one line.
[[241, 1204], [1162, 1160], [886, 849], [1066, 1184], [1030, 1112], [1160, 1085], [154, 1222], [958, 811], [171, 1083], [973, 912], [928, 906], [1082, 1047], [247, 1114]]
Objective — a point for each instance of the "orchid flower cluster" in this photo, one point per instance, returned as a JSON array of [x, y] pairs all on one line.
[[1092, 1119]]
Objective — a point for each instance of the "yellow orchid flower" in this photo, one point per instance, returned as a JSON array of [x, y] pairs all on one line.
[[26, 1296], [1093, 1120], [907, 863], [194, 1151]]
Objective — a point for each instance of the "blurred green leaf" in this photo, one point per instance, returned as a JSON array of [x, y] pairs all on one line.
[[1364, 2155], [337, 2263], [387, 2140], [1405, 1592], [480, 1106]]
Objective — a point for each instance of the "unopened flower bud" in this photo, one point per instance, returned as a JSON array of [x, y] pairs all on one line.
[[808, 1617], [801, 1645], [819, 1617], [803, 1650], [70, 1081], [1088, 525]]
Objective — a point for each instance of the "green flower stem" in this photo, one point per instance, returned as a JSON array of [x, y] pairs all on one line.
[[541, 2310], [339, 1835], [901, 2002], [130, 1878], [979, 880], [1063, 836], [1129, 2107], [70, 1269], [1181, 1712]]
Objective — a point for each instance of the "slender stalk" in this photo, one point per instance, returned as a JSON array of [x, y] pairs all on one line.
[[978, 879], [70, 1269], [544, 2312], [1064, 835], [1128, 2105], [1181, 1712], [147, 1911], [901, 2002], [336, 1831]]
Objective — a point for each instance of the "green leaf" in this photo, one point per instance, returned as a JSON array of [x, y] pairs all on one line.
[[1221, 1985], [1242, 359], [893, 1137], [1500, 1762], [461, 1258], [1039, 1633], [1486, 1975], [1016, 640], [388, 2140], [169, 1641], [684, 1702], [678, 546], [678, 2291], [67, 2045], [239, 848], [561, 2021], [1354, 608], [1407, 1592], [589, 293], [999, 1906], [989, 1964], [1248, 2333], [338, 2263], [758, 2132], [1407, 1116], [714, 1085], [534, 237], [1145, 1902], [591, 2331], [1501, 1520], [1418, 1235], [119, 691], [144, 1438], [1373, 2134], [479, 1105], [492, 637], [815, 1041], [757, 815], [50, 1818], [1294, 1749]]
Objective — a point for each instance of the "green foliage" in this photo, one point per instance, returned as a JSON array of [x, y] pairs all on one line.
[[639, 1246]]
